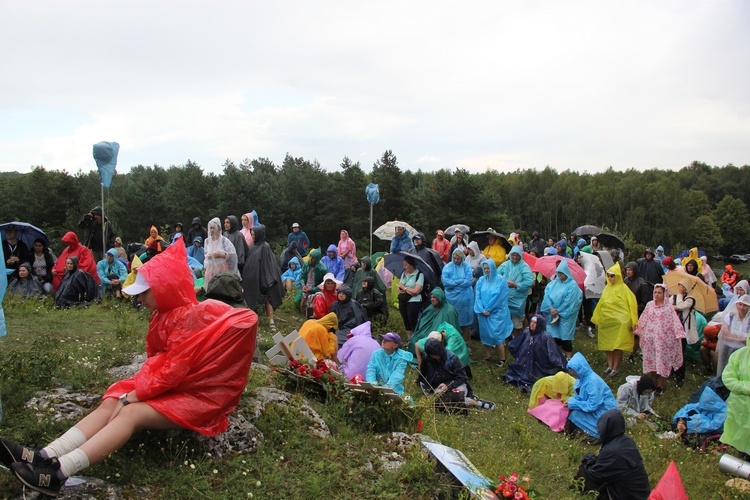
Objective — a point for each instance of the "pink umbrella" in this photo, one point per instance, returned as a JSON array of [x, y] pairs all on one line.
[[530, 259], [547, 265]]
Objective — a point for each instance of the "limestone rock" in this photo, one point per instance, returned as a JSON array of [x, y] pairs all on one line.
[[127, 371], [61, 404]]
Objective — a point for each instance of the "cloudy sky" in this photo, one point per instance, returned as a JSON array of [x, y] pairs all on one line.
[[579, 85]]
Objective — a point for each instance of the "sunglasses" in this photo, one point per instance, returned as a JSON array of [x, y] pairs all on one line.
[[609, 275]]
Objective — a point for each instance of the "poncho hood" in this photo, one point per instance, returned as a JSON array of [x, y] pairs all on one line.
[[363, 330], [541, 325], [366, 263], [516, 250], [113, 253], [610, 425], [440, 295], [260, 233], [460, 254], [634, 267], [332, 248], [564, 268], [493, 271], [615, 269], [433, 347], [71, 239], [330, 322], [294, 260], [234, 224], [314, 257], [170, 278], [346, 291], [579, 364]]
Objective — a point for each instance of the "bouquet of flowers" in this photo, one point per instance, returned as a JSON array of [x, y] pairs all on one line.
[[508, 487], [321, 372]]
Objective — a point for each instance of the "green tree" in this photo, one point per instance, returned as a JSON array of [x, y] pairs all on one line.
[[732, 219]]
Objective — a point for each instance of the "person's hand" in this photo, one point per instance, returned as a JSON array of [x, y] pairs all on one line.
[[565, 404], [512, 284], [485, 313], [681, 426], [305, 288], [553, 311], [54, 272], [115, 282], [641, 416], [441, 388]]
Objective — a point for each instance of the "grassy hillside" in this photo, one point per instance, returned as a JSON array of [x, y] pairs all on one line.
[[46, 348]]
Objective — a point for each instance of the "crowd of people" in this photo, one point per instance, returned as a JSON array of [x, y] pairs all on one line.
[[484, 286]]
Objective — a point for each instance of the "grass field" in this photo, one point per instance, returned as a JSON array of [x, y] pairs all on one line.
[[47, 348]]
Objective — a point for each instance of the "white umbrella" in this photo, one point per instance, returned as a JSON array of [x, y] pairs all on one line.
[[595, 275], [388, 230]]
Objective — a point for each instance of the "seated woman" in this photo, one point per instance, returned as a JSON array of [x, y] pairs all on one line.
[[363, 272], [387, 366], [320, 335], [535, 354], [558, 386], [73, 248], [287, 255], [439, 311], [355, 354], [349, 313], [736, 377], [155, 237], [591, 398], [707, 416], [618, 471], [77, 288], [199, 356], [452, 340], [42, 262], [372, 301], [24, 285], [112, 273], [291, 275], [443, 374], [635, 396], [326, 297]]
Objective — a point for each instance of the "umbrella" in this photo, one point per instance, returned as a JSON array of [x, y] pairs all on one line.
[[610, 240], [394, 262], [587, 230], [705, 296], [25, 232], [388, 230], [530, 259], [606, 259], [547, 265], [481, 238], [595, 281], [451, 230]]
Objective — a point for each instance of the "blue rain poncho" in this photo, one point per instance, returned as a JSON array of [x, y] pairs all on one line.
[[334, 264], [706, 416], [566, 297], [492, 296], [457, 281], [293, 274], [388, 369], [591, 396], [522, 276]]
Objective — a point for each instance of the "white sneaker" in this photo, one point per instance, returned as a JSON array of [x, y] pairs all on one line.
[[591, 333]]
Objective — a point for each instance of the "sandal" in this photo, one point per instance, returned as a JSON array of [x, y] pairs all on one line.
[[485, 405], [501, 363], [272, 326]]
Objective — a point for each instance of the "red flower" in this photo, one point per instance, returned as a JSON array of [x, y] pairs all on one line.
[[316, 374]]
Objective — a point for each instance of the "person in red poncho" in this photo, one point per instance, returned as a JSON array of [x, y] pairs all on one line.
[[199, 355], [73, 248]]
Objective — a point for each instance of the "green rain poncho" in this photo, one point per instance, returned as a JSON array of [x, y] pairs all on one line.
[[433, 317], [736, 376]]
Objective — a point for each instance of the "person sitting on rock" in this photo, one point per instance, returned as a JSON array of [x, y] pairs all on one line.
[[112, 273], [199, 356], [387, 365]]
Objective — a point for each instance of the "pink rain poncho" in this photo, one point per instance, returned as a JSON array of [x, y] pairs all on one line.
[[660, 331]]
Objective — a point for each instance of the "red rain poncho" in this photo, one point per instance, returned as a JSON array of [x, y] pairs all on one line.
[[86, 261], [199, 354]]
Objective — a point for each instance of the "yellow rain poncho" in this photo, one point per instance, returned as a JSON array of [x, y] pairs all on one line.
[[557, 386], [736, 376], [616, 314], [130, 278], [320, 335], [693, 255]]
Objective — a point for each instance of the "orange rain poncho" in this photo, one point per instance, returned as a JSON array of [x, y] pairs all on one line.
[[199, 354], [616, 314]]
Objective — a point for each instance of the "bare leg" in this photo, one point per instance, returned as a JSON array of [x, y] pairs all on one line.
[[115, 434], [610, 358], [501, 350], [487, 353], [466, 333], [269, 311], [616, 359]]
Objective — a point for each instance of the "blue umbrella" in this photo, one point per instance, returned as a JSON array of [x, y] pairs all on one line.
[[24, 232]]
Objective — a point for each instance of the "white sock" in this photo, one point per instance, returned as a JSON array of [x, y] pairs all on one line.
[[66, 443], [73, 462]]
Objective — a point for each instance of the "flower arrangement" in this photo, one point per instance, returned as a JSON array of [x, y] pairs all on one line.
[[321, 373], [508, 487]]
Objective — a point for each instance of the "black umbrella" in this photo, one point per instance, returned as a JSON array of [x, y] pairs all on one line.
[[586, 230], [610, 240], [394, 262], [481, 238]]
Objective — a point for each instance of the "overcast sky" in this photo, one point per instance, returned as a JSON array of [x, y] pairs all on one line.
[[579, 85]]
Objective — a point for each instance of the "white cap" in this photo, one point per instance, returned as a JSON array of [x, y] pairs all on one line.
[[140, 286], [295, 224]]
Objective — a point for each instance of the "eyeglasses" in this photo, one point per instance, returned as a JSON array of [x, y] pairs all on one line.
[[610, 275]]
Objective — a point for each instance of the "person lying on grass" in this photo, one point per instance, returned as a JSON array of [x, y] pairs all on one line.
[[179, 385]]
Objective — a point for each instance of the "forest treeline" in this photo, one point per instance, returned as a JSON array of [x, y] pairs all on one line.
[[699, 205]]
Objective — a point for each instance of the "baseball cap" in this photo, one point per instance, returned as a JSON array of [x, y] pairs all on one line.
[[295, 225], [393, 337], [140, 286]]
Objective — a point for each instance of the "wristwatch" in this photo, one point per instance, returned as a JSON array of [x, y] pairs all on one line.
[[124, 399]]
